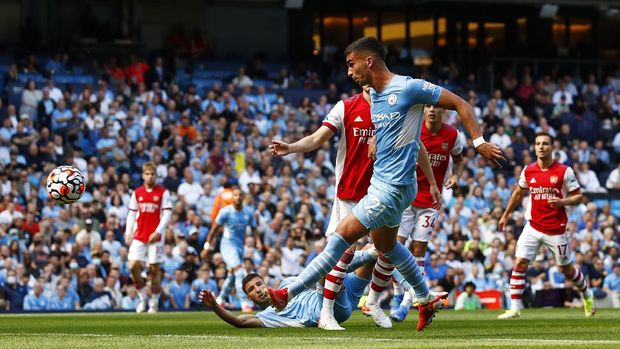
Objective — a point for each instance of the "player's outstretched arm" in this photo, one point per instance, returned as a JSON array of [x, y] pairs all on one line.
[[304, 145], [513, 203], [244, 321], [451, 101]]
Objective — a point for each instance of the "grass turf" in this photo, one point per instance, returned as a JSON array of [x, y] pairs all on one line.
[[536, 329]]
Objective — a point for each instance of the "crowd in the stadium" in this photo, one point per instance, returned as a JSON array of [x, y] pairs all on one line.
[[202, 137]]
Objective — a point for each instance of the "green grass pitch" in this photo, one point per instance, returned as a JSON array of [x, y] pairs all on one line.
[[536, 329]]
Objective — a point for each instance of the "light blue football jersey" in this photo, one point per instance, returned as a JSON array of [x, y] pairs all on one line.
[[235, 223], [397, 113], [302, 311]]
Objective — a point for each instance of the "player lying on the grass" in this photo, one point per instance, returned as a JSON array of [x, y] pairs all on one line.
[[552, 187], [301, 311]]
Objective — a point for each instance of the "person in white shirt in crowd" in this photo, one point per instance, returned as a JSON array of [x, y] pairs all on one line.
[[500, 138], [89, 234], [588, 179], [189, 190], [613, 181]]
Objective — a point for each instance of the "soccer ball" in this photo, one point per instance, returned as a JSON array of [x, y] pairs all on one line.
[[65, 184]]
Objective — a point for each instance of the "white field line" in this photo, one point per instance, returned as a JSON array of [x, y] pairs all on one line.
[[333, 339]]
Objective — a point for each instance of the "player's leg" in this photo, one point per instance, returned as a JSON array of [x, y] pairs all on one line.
[[232, 259], [370, 212], [246, 305], [333, 280], [404, 232], [355, 284], [424, 219], [155, 257], [137, 255], [361, 257], [527, 249], [560, 246]]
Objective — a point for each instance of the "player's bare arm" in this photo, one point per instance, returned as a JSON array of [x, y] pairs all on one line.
[[488, 150], [425, 166], [457, 170], [215, 230], [513, 203], [259, 243], [244, 321], [573, 198], [372, 148], [304, 145]]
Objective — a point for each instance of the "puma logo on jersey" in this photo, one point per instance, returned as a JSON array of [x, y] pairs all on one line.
[[533, 180], [358, 119]]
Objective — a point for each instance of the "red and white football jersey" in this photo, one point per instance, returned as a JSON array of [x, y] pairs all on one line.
[[351, 118], [557, 181], [149, 204], [440, 148]]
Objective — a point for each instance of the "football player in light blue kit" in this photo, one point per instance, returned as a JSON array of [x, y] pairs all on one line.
[[234, 219], [302, 311], [397, 106]]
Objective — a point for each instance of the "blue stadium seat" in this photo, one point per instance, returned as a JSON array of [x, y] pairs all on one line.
[[615, 208], [63, 79], [84, 79], [38, 78], [600, 203], [203, 84], [263, 83]]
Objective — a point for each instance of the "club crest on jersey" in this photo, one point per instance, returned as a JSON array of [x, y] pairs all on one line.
[[444, 146], [392, 99], [155, 198], [553, 179]]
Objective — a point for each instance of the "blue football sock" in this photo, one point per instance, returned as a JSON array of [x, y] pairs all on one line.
[[406, 264], [320, 266], [228, 285], [360, 258]]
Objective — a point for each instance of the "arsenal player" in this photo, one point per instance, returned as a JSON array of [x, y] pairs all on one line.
[[150, 207], [442, 142], [552, 187]]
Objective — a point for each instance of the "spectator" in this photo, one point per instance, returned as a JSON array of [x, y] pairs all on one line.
[[179, 291], [36, 301], [130, 301], [468, 300], [242, 80], [613, 181], [62, 301], [99, 298]]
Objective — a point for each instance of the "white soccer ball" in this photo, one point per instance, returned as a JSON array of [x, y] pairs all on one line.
[[65, 184]]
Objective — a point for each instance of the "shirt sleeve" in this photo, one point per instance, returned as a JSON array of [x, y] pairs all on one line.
[[133, 202], [522, 181], [458, 147], [166, 203], [335, 118], [423, 92], [570, 182], [221, 217]]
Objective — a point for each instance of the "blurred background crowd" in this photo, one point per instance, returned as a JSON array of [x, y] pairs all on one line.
[[205, 128]]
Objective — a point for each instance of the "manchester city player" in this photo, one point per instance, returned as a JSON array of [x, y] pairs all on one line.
[[302, 311], [234, 219], [397, 106]]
